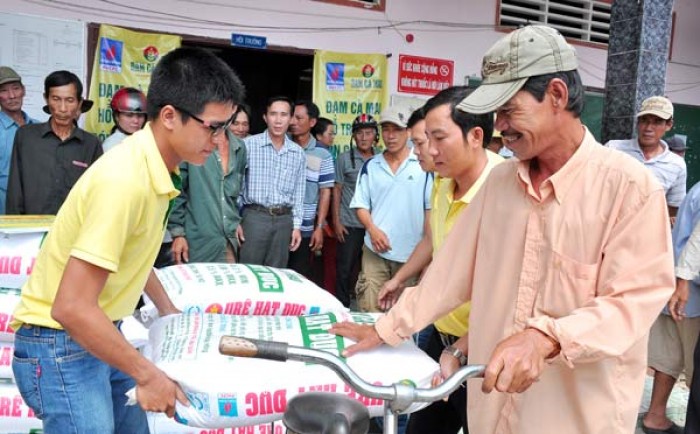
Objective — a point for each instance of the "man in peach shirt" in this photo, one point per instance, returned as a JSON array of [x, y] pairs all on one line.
[[564, 286]]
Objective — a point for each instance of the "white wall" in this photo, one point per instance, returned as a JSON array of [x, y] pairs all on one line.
[[298, 23], [683, 75]]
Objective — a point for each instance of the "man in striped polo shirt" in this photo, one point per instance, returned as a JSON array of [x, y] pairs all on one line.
[[320, 178]]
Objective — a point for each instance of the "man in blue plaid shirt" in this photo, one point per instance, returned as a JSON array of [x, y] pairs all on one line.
[[273, 193]]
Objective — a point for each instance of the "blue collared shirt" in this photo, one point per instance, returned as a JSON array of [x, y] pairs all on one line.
[[8, 128], [667, 167], [396, 202], [688, 216], [275, 178]]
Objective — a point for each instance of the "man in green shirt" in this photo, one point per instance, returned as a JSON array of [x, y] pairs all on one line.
[[205, 215]]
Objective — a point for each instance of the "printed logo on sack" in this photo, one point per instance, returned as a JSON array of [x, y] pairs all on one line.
[[214, 308], [111, 54], [228, 405], [367, 71], [335, 76], [199, 402], [194, 309], [151, 53]]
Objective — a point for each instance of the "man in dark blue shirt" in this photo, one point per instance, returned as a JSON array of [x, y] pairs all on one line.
[[48, 158]]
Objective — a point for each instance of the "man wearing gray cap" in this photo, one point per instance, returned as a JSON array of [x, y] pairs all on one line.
[[11, 118], [563, 283], [391, 200], [678, 144]]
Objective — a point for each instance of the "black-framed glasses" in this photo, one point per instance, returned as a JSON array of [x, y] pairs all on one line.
[[215, 128]]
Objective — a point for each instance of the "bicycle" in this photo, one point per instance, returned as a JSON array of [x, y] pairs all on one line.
[[332, 413]]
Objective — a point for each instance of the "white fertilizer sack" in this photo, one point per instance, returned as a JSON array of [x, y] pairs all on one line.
[[233, 392], [15, 416], [158, 423], [17, 255], [241, 289], [9, 298], [134, 332], [6, 351]]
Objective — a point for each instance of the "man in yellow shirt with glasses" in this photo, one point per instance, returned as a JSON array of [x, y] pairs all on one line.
[[71, 364]]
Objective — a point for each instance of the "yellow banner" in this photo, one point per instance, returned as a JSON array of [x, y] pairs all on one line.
[[346, 85], [122, 58]]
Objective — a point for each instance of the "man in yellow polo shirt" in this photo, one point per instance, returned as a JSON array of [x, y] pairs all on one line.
[[72, 365], [457, 141]]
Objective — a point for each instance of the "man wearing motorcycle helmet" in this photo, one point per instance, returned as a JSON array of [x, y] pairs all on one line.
[[349, 231], [129, 114]]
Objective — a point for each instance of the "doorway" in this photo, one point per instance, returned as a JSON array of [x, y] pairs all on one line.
[[265, 73]]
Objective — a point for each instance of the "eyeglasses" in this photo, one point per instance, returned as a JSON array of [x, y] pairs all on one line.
[[215, 128]]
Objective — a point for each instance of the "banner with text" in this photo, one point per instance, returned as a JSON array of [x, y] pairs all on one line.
[[123, 58], [346, 85], [424, 75]]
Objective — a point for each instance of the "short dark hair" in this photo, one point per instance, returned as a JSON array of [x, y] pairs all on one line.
[[311, 108], [191, 78], [466, 121], [417, 116], [320, 126], [279, 98], [537, 86], [242, 107], [63, 78]]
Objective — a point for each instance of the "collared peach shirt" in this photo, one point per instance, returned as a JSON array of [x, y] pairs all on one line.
[[589, 263]]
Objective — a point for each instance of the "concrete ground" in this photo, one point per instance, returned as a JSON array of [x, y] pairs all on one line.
[[675, 409]]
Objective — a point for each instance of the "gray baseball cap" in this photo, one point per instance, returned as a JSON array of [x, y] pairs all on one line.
[[677, 142], [523, 53], [8, 75], [394, 115]]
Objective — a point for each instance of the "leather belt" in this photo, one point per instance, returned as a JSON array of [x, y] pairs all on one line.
[[116, 323], [273, 210]]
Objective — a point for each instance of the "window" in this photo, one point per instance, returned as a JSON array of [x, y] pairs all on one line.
[[375, 5], [585, 20]]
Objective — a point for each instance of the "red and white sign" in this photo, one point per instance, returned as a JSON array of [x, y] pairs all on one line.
[[424, 75]]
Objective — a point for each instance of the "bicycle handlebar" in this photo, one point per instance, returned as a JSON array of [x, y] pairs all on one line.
[[401, 394], [255, 348]]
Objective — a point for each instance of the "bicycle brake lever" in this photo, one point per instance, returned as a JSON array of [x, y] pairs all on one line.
[[244, 347]]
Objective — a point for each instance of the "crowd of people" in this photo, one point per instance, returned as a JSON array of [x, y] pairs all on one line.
[[554, 268]]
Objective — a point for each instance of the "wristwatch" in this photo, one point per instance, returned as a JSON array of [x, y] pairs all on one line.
[[456, 353]]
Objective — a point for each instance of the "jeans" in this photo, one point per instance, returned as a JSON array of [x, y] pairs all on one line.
[[69, 389]]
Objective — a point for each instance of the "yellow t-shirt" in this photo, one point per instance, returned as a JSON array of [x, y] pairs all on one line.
[[114, 218], [443, 214]]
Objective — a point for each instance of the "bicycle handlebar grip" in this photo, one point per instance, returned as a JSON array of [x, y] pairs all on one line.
[[244, 347]]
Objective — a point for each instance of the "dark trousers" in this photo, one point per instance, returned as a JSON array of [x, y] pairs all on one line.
[[440, 417], [267, 238], [348, 255], [300, 259], [692, 418]]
